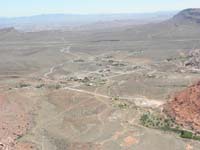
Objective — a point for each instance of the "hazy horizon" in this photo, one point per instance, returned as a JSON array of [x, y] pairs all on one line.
[[22, 8], [93, 14]]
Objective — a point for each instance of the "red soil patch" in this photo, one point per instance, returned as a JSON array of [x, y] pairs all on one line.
[[188, 147], [10, 144], [15, 122], [129, 141], [25, 146], [2, 100], [185, 107], [84, 146], [117, 135]]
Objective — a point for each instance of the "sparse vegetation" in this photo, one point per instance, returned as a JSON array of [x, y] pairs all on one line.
[[115, 98], [23, 85], [186, 134], [163, 123], [39, 86], [155, 121], [196, 138], [54, 86], [119, 104], [122, 105]]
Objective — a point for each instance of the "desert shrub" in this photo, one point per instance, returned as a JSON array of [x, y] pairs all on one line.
[[54, 86], [22, 85], [196, 138], [186, 134], [155, 121], [160, 122], [144, 118], [122, 105], [57, 86], [39, 86]]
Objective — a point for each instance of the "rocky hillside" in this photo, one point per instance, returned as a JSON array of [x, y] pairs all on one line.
[[193, 60], [188, 16], [185, 107]]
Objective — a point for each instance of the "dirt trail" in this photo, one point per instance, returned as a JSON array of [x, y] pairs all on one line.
[[53, 68], [139, 100]]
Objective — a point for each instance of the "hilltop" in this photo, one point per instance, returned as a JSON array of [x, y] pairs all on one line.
[[191, 15]]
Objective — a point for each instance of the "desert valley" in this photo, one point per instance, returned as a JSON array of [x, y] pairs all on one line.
[[124, 87]]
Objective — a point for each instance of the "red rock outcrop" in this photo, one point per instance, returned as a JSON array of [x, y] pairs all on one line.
[[185, 107]]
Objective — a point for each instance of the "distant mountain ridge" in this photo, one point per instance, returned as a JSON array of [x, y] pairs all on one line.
[[191, 15], [60, 21]]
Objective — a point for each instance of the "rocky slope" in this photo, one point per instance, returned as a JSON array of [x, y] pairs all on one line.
[[188, 16], [15, 122], [185, 107], [193, 59]]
